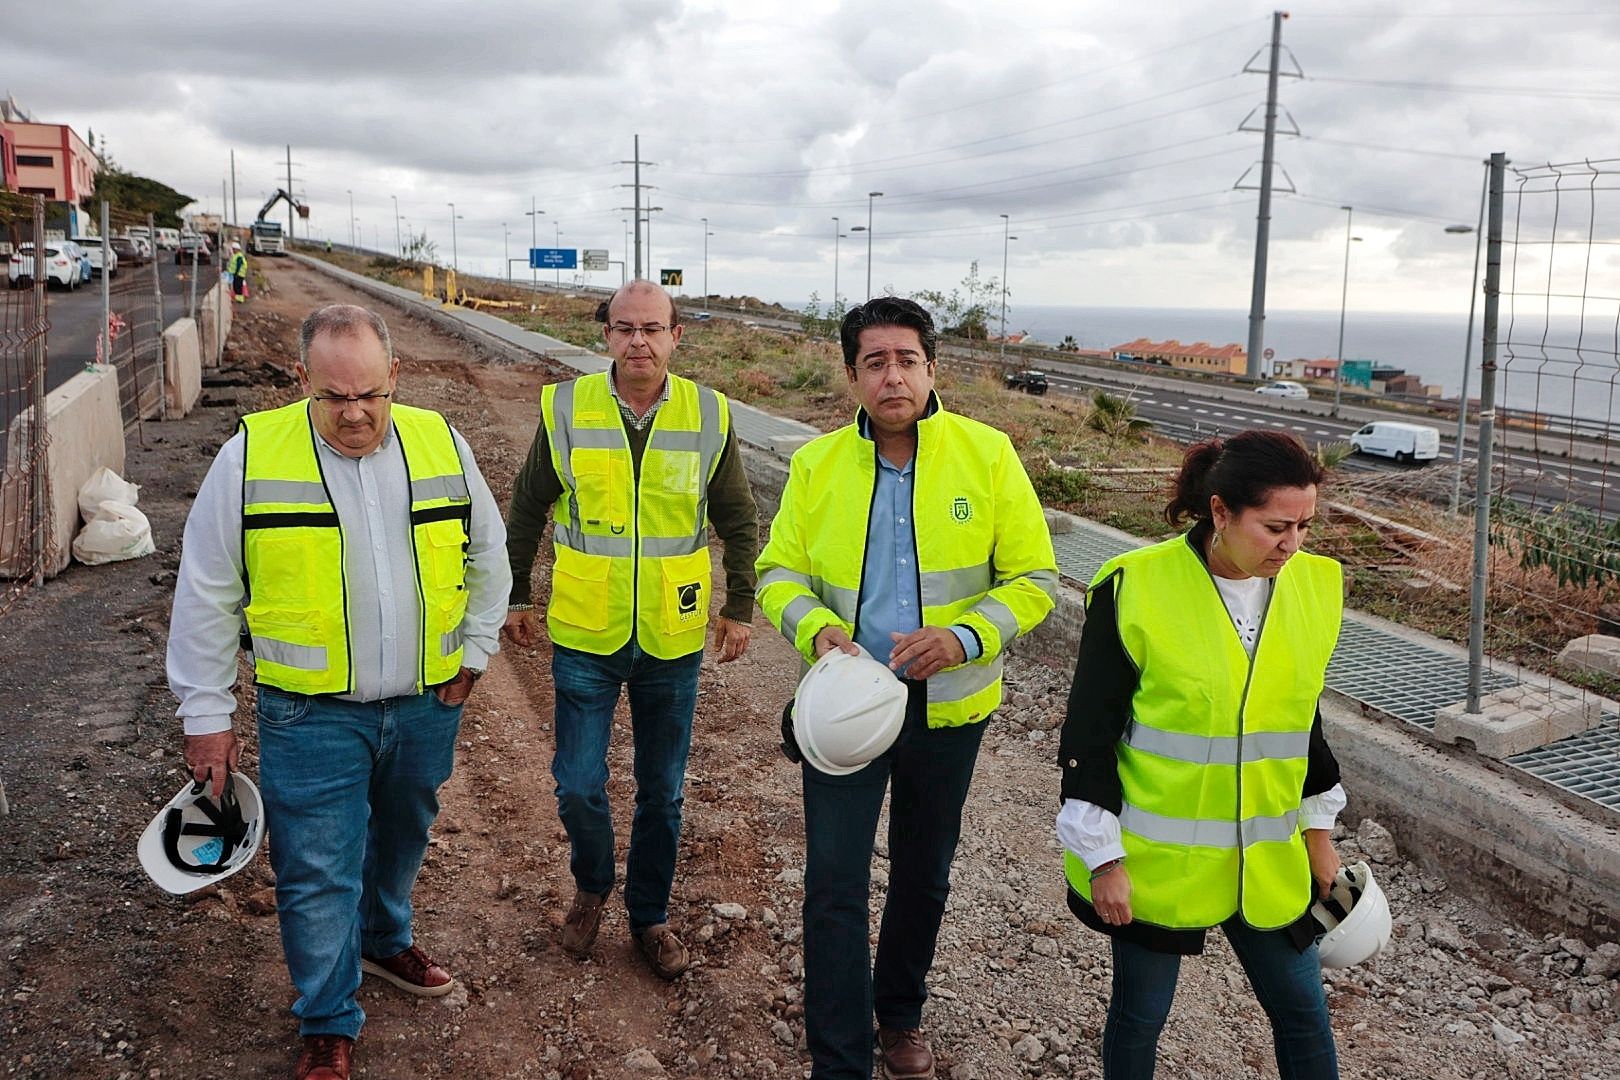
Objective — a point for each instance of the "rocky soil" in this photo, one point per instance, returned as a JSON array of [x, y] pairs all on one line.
[[102, 976]]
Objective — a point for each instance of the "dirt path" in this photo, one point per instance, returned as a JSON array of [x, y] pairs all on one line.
[[103, 976]]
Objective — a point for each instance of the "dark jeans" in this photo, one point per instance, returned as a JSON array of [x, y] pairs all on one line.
[[1287, 982], [663, 694], [930, 770]]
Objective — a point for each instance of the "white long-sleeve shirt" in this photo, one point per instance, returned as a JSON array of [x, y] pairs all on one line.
[[372, 498]]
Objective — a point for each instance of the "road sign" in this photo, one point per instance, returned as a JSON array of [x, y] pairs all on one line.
[[669, 277], [552, 258], [1269, 353], [596, 259]]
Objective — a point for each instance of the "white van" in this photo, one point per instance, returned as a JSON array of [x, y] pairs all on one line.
[[1398, 440], [168, 239]]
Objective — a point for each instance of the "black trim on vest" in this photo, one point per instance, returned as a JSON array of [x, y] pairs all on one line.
[[292, 519], [455, 511]]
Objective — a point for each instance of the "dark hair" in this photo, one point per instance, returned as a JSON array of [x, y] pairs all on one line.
[[605, 308], [1242, 469], [887, 311]]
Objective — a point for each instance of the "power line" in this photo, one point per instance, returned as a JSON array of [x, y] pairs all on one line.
[[1390, 149], [1461, 88]]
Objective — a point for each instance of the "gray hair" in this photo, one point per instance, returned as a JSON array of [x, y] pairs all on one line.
[[341, 320]]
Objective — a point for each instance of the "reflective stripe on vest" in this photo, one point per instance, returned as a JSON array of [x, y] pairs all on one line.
[[632, 556], [963, 516], [1213, 760], [293, 551]]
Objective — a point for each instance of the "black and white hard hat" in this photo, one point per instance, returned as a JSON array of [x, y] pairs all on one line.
[[196, 841], [1353, 920]]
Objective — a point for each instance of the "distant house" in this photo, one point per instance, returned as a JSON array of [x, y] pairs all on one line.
[[1199, 356], [1017, 337], [44, 159]]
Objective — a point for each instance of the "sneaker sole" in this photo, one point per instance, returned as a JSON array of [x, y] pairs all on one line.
[[367, 967]]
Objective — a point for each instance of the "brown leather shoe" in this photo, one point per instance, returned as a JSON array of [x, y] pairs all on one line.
[[663, 950], [413, 971], [906, 1054], [325, 1057], [583, 921]]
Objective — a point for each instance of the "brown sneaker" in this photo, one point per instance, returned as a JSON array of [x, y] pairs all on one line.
[[413, 971], [583, 921], [663, 950], [325, 1057], [906, 1054]]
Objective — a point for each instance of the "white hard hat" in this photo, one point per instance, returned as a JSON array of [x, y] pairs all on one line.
[[235, 246], [1354, 919], [847, 711], [195, 841]]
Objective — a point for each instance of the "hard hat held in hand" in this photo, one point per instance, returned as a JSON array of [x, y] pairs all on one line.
[[847, 711], [1354, 919], [196, 840]]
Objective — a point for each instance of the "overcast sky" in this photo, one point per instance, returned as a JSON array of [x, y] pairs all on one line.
[[1108, 133]]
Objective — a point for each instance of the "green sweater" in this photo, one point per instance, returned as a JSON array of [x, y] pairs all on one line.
[[731, 512]]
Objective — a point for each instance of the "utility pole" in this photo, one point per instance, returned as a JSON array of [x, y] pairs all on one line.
[[557, 242], [636, 208], [1006, 224], [291, 213], [1487, 424], [836, 234], [534, 213], [235, 218], [351, 216], [706, 235], [1262, 232], [1344, 299], [399, 248]]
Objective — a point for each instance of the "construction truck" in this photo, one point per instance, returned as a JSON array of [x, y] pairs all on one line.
[[264, 237]]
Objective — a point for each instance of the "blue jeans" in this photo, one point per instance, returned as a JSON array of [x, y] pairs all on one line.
[[663, 694], [350, 790], [929, 770], [1287, 982]]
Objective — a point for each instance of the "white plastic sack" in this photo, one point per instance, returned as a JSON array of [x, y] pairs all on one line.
[[104, 484], [117, 531]]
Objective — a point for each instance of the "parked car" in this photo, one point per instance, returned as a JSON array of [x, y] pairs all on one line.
[[61, 267], [1030, 382], [1282, 388], [193, 248], [129, 251], [1397, 439], [701, 316], [92, 248], [77, 253], [168, 239]]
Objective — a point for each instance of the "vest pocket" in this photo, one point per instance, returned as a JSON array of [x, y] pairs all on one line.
[[288, 639], [685, 592], [446, 551], [601, 487], [579, 592]]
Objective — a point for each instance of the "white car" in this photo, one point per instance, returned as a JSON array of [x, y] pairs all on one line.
[[92, 248], [1397, 439], [61, 267], [1282, 388]]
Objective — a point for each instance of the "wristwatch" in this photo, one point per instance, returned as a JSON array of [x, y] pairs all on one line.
[[474, 673]]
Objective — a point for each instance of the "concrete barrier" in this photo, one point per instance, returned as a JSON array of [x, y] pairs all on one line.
[[182, 367], [86, 432]]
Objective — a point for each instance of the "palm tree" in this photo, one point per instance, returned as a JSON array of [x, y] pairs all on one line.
[[1115, 417]]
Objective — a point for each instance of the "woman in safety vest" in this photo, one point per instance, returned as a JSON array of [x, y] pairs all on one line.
[[1198, 790]]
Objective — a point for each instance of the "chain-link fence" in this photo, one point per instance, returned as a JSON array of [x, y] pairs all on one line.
[[23, 326]]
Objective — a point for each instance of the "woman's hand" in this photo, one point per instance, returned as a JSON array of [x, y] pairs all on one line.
[[1111, 896], [1324, 860]]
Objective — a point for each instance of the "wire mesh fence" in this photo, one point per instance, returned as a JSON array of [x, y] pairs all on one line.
[[23, 327], [132, 340]]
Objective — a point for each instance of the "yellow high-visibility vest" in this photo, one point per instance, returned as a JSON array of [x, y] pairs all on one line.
[[1213, 760], [296, 605], [631, 555], [984, 553]]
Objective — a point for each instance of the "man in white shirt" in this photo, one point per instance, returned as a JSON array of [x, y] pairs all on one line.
[[353, 549]]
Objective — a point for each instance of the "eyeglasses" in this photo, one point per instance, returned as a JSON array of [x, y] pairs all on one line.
[[906, 365], [625, 332], [338, 401]]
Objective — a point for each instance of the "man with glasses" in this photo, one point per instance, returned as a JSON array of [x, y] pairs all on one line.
[[635, 464], [352, 547], [952, 561]]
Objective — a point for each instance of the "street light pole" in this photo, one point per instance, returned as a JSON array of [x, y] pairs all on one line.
[[706, 235], [351, 217], [557, 242], [506, 249], [624, 263], [1344, 296], [870, 195], [1468, 344], [455, 261], [836, 235], [1006, 223], [399, 248], [533, 215]]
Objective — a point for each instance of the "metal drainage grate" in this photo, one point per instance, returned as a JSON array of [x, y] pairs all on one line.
[[1082, 551], [1400, 677], [758, 428], [1587, 764]]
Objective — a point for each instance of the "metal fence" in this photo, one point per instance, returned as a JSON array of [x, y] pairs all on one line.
[[131, 339], [24, 508]]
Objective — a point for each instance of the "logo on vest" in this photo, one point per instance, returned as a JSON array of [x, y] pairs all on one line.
[[686, 599], [961, 509]]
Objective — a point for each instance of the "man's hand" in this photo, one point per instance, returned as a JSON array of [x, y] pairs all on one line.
[[1111, 896], [212, 757], [829, 638], [1324, 860], [929, 651], [457, 690], [731, 638], [522, 627]]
